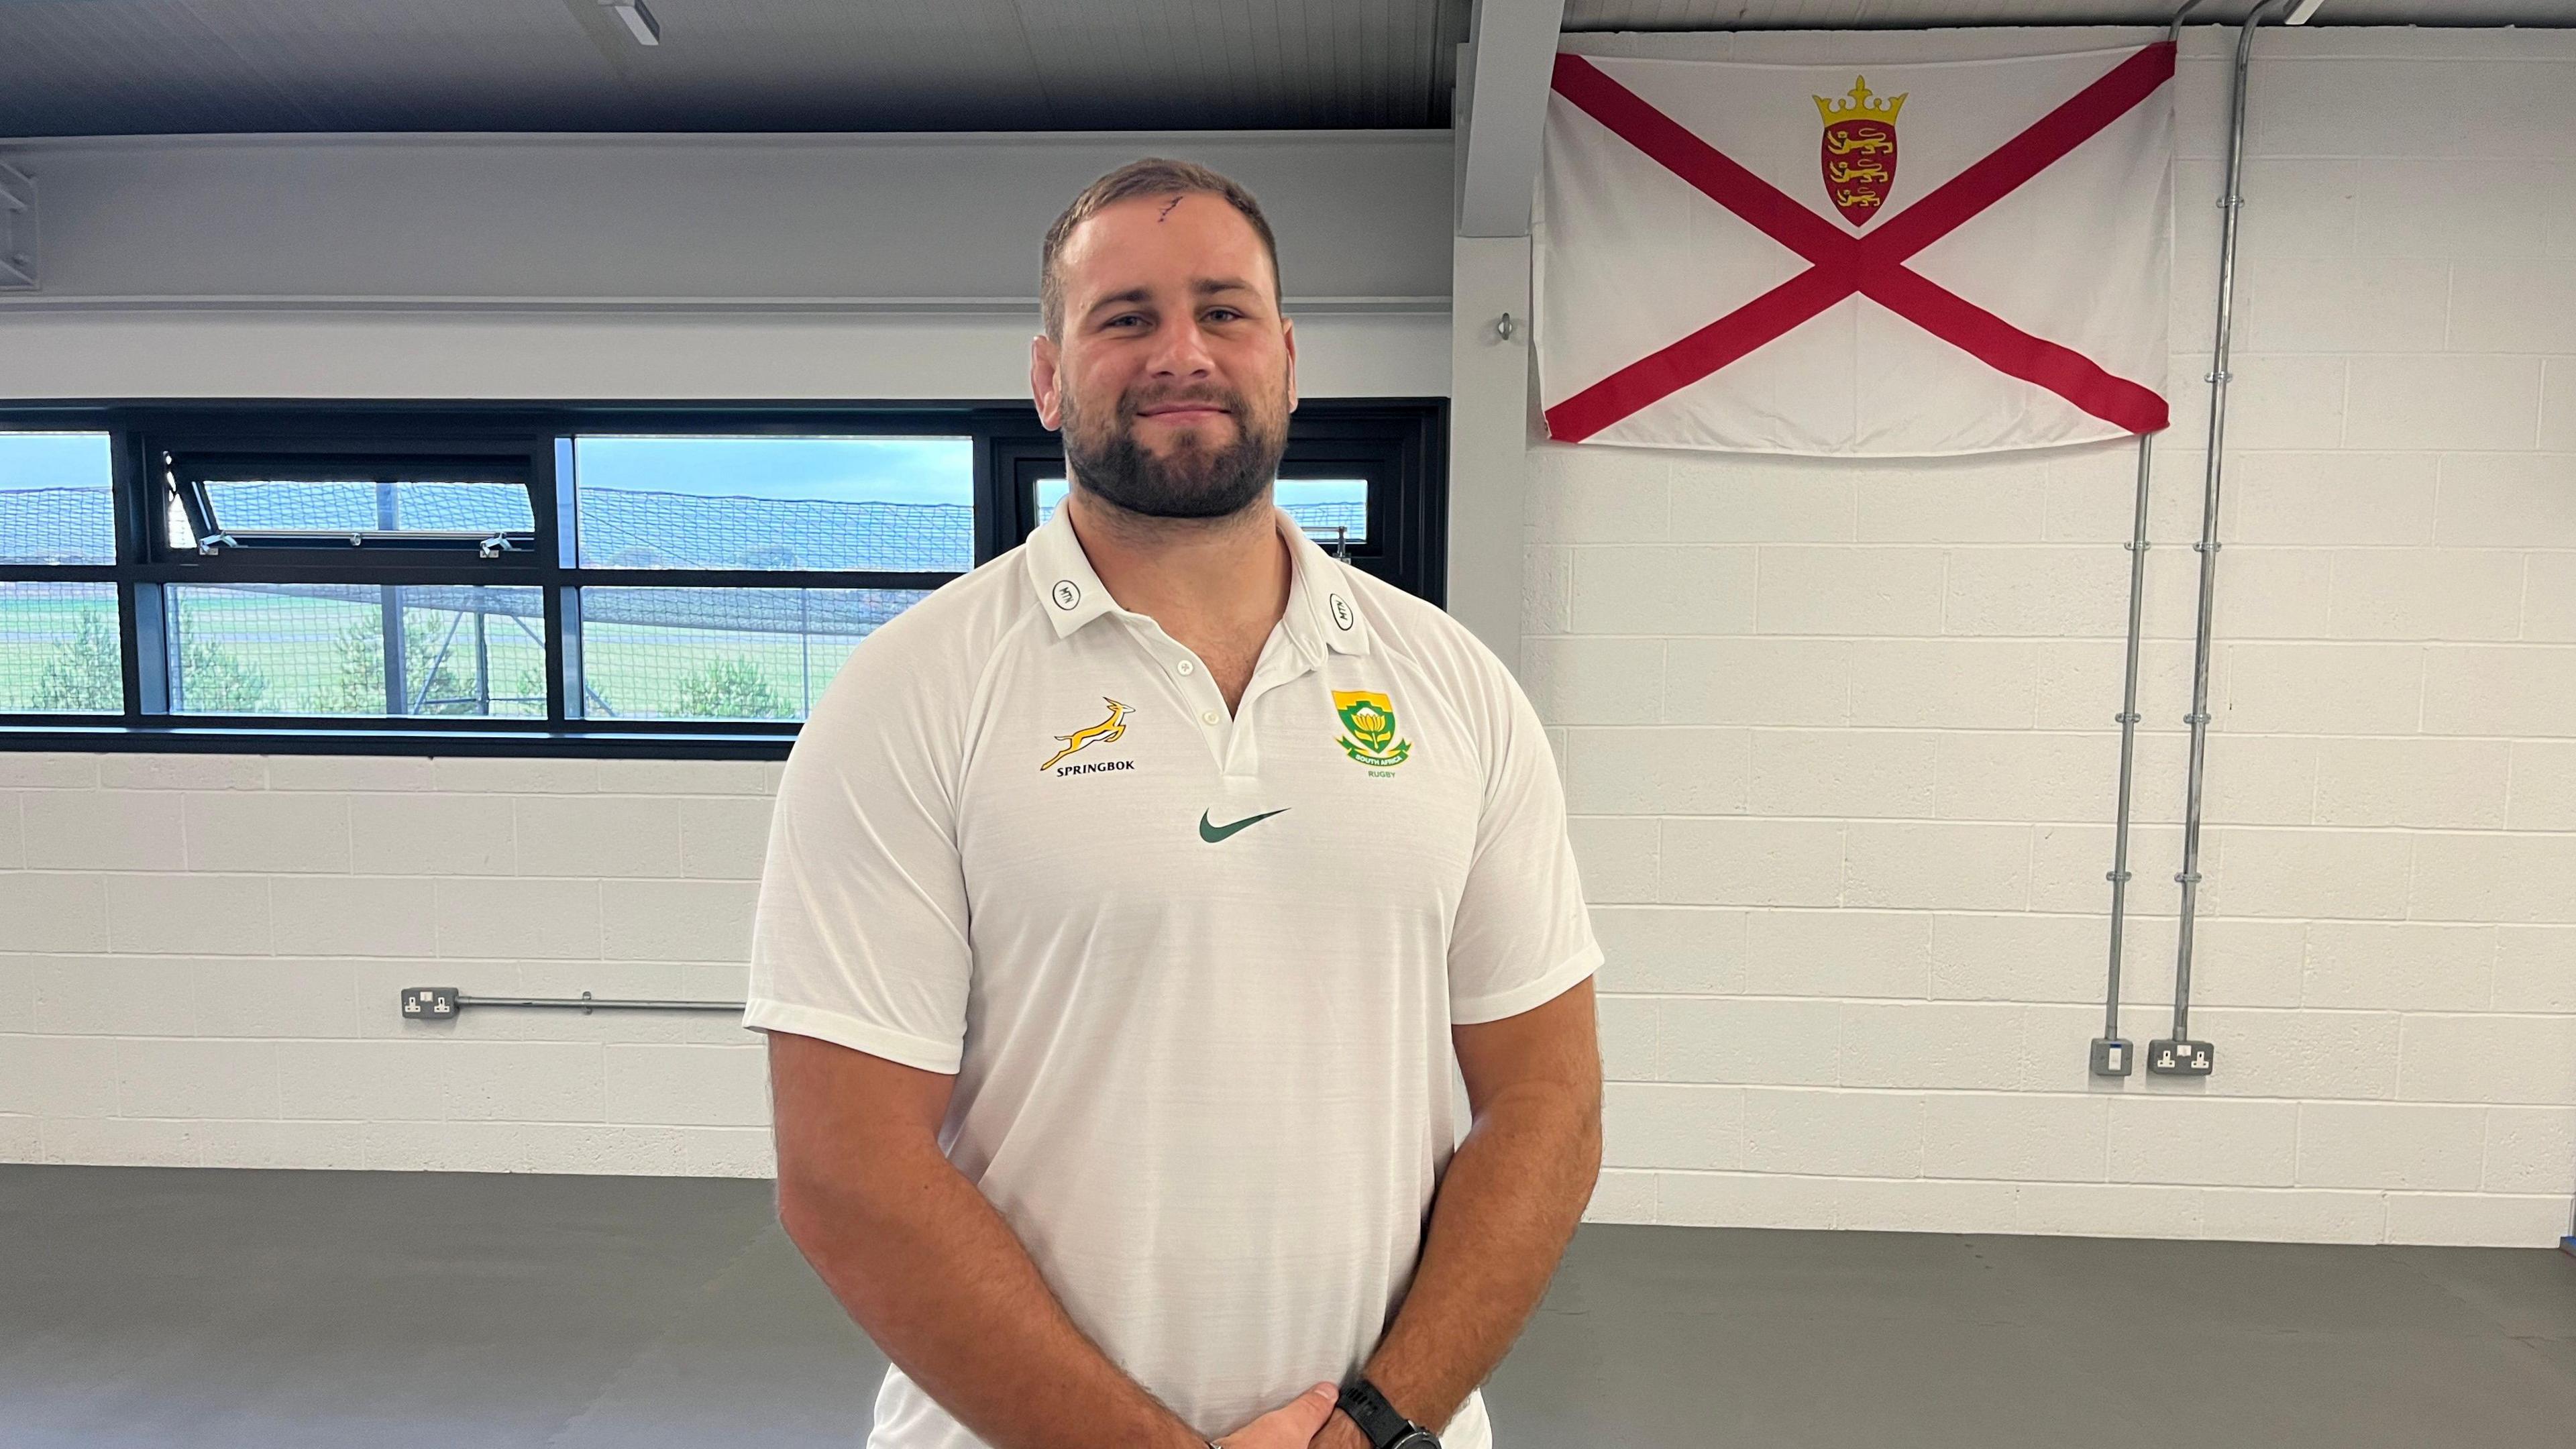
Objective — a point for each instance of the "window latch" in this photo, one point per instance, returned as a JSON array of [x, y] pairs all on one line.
[[214, 541]]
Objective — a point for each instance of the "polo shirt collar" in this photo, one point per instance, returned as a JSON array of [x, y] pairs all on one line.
[[1323, 611], [1068, 591], [1320, 594]]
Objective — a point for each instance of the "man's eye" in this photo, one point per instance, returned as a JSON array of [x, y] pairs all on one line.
[[1223, 314], [1125, 318]]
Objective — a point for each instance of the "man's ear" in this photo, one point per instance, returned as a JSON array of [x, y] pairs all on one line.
[[1288, 336], [1046, 385]]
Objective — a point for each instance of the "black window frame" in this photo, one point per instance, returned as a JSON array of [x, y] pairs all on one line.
[[1397, 445]]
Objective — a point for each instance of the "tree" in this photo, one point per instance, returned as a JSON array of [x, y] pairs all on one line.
[[87, 674], [358, 684], [214, 680], [728, 689]]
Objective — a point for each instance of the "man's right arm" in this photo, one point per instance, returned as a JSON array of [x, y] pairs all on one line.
[[923, 1262]]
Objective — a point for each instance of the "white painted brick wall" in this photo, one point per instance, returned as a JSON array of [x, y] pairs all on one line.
[[1840, 743], [199, 957]]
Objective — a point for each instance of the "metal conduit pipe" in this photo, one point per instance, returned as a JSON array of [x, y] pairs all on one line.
[[443, 1003], [587, 1002], [2110, 1053], [2113, 1055], [2178, 1054]]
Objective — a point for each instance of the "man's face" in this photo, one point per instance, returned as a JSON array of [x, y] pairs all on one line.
[[1175, 376]]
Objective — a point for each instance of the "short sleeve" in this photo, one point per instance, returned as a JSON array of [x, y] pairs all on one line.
[[1522, 936], [860, 933]]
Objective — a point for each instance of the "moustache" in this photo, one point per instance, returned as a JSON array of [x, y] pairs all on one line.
[[1133, 407]]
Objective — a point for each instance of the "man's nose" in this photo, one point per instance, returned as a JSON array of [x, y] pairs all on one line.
[[1183, 351]]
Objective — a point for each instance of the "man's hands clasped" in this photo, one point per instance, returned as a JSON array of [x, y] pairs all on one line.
[[1291, 1426]]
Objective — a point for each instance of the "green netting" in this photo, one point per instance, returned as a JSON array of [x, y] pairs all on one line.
[[58, 649], [722, 653], [322, 650]]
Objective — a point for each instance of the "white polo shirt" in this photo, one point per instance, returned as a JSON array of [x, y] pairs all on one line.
[[1194, 970]]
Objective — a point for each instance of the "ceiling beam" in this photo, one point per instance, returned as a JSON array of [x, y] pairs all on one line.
[[1511, 54]]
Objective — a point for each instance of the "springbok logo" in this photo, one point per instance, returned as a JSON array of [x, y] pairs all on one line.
[[1104, 732]]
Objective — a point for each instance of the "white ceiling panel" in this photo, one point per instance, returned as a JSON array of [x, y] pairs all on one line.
[[106, 67], [126, 67]]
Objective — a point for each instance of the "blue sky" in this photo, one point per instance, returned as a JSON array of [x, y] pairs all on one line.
[[885, 470], [54, 460]]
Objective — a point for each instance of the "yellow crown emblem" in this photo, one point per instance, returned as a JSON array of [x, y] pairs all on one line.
[[1861, 104]]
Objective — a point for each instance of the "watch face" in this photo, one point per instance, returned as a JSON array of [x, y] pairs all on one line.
[[1417, 1439]]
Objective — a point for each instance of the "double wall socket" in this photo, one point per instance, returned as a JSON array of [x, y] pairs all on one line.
[[2172, 1057], [429, 1003]]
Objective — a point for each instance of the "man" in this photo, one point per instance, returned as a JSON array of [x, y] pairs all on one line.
[[1125, 902]]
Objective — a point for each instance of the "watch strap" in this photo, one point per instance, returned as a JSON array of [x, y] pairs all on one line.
[[1379, 1419]]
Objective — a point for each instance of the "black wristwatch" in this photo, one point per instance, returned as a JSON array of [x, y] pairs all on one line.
[[1385, 1428]]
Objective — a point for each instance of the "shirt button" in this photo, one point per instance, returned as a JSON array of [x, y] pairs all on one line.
[[1207, 716], [1186, 667]]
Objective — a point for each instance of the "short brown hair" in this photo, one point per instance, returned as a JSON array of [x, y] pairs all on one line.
[[1152, 176]]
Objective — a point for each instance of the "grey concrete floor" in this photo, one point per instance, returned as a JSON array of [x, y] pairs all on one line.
[[149, 1306]]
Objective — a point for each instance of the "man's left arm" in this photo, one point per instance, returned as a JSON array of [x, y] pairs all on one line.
[[1513, 1194]]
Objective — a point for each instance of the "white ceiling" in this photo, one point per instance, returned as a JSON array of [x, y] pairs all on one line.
[[123, 67], [84, 67]]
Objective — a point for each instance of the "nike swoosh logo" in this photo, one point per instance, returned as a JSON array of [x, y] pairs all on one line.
[[1212, 833]]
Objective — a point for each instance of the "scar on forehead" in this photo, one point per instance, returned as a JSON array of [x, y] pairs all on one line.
[[1167, 208]]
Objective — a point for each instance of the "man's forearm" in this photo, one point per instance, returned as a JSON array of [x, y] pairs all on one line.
[[1511, 1199], [947, 1290]]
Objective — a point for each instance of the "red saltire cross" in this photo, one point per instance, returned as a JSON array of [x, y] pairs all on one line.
[[1872, 264]]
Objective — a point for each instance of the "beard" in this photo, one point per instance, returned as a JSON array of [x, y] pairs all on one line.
[[1195, 480]]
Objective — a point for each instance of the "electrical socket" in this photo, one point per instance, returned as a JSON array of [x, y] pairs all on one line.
[[2113, 1056], [2169, 1057], [429, 1003]]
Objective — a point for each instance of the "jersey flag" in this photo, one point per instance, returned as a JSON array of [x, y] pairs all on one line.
[[1856, 260]]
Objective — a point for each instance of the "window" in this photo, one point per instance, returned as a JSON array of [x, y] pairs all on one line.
[[773, 503], [382, 650], [525, 580], [732, 654], [57, 504], [355, 503], [59, 651]]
